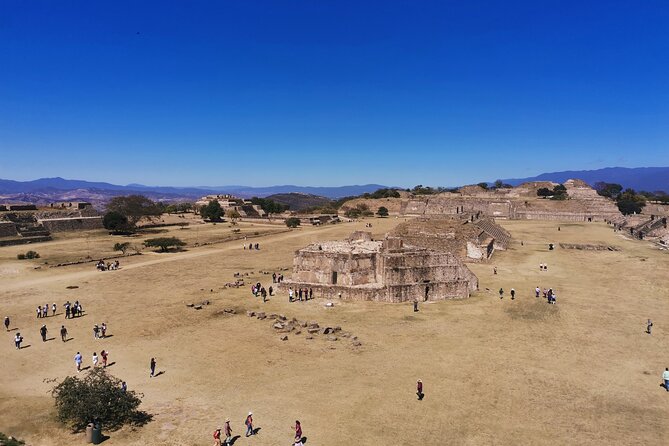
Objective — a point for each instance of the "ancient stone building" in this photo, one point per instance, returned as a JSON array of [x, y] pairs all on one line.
[[469, 238], [379, 270]]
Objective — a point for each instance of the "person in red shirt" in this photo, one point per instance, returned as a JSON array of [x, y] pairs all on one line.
[[419, 389], [249, 424], [217, 437]]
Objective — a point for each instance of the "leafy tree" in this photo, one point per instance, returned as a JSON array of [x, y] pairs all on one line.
[[483, 185], [123, 247], [97, 395], [171, 209], [134, 208], [116, 222], [362, 207], [212, 211], [164, 243], [499, 184], [544, 192], [184, 207], [559, 192], [293, 222], [629, 202], [382, 212], [232, 214], [610, 190], [382, 193], [353, 213], [270, 206]]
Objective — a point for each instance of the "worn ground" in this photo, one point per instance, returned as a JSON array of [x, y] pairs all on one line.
[[496, 371]]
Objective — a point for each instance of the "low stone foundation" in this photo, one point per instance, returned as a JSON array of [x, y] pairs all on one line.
[[71, 224]]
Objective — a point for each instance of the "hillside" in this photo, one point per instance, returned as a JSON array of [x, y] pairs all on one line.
[[649, 179]]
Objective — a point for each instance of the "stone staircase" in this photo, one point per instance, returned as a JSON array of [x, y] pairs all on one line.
[[501, 236]]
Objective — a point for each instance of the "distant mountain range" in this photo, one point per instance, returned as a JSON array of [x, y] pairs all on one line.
[[650, 179], [45, 190]]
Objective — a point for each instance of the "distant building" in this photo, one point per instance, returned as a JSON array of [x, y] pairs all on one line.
[[244, 207]]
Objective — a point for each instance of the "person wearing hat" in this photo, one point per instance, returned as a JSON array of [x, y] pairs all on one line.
[[419, 389], [249, 424], [228, 432], [217, 437]]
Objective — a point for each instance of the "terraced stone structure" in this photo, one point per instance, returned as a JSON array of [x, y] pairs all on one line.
[[361, 268], [469, 238]]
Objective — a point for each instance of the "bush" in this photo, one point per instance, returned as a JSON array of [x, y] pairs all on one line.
[[164, 243], [293, 222], [115, 221], [353, 213], [212, 211], [10, 441], [382, 212], [28, 255], [123, 247], [97, 395]]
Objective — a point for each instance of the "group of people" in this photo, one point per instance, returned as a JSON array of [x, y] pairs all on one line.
[[258, 289], [102, 266], [548, 294], [44, 311], [72, 310], [301, 294], [226, 431], [252, 246], [277, 278], [100, 331], [543, 267]]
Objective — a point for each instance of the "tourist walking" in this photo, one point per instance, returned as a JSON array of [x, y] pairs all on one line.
[[249, 424], [513, 294], [228, 432], [78, 359], [537, 292], [311, 293], [649, 326], [124, 387], [96, 331], [53, 309], [103, 330], [298, 433], [152, 365], [95, 359], [419, 390], [501, 293], [217, 437], [63, 333], [415, 305], [43, 331], [6, 323], [105, 355], [18, 339], [665, 377]]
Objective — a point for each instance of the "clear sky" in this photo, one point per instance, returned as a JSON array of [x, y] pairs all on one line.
[[325, 93]]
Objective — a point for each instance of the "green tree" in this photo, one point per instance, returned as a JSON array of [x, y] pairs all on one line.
[[483, 185], [293, 222], [123, 247], [382, 212], [233, 214], [134, 208], [212, 211], [164, 243], [116, 222], [270, 206], [97, 395], [559, 192], [352, 213], [610, 190], [499, 184], [10, 441], [544, 192], [629, 202]]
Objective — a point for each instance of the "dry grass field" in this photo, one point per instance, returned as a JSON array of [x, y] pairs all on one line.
[[496, 372]]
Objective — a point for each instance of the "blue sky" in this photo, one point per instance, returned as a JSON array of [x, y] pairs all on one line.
[[330, 92]]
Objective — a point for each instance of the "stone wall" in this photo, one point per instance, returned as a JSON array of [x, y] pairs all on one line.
[[71, 224], [8, 229]]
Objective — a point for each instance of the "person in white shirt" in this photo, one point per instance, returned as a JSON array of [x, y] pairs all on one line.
[[665, 377]]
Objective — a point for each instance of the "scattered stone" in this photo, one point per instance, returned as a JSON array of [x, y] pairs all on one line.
[[205, 302], [345, 334], [282, 317], [332, 338], [250, 313], [190, 305], [336, 329], [313, 325], [278, 326], [198, 307], [261, 315], [230, 310], [313, 330], [327, 330], [284, 338], [309, 337], [72, 287], [298, 332], [357, 343]]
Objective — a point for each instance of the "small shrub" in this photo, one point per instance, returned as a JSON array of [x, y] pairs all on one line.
[[10, 441], [21, 256], [164, 243], [293, 222], [32, 255]]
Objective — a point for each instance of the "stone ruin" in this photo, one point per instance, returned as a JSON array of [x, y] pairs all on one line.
[[361, 268], [470, 239], [518, 203]]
